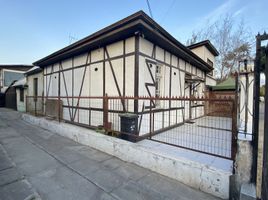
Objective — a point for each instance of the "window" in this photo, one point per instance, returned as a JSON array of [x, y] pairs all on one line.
[[35, 87], [21, 94], [211, 64], [9, 77]]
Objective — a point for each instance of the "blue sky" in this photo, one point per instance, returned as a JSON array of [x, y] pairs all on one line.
[[32, 29]]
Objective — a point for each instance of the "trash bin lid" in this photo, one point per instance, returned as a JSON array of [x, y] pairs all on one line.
[[129, 115]]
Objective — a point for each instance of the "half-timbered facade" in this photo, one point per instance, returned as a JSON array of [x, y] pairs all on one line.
[[133, 57]]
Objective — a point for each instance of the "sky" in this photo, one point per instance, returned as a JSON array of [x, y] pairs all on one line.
[[33, 29]]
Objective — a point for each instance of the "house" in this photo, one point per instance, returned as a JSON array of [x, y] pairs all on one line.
[[35, 82], [207, 52], [11, 73], [30, 85], [10, 100], [21, 92], [132, 57]]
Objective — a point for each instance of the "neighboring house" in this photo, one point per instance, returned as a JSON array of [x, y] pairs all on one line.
[[132, 57], [207, 52], [21, 92], [30, 85], [35, 82], [10, 97], [227, 85], [11, 73]]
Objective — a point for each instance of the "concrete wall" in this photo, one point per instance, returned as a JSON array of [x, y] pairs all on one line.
[[243, 166], [204, 177]]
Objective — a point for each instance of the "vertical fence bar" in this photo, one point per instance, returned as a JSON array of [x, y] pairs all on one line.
[[26, 107], [35, 100], [234, 131], [105, 111], [150, 120], [42, 105], [59, 109]]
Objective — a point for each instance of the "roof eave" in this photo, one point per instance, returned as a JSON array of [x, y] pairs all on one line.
[[136, 21]]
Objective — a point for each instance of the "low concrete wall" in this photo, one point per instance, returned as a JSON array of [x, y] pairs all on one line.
[[197, 175], [243, 166]]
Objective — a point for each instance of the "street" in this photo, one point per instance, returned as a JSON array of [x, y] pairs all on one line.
[[38, 164]]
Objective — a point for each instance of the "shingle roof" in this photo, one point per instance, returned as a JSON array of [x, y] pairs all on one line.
[[228, 84]]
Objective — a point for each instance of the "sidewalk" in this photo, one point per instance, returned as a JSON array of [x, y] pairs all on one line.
[[59, 168], [13, 184]]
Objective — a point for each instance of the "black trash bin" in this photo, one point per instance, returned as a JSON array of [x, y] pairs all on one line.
[[129, 124]]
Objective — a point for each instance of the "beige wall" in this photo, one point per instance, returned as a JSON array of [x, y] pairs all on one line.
[[21, 105], [173, 71], [73, 82], [204, 53], [30, 92], [210, 80], [88, 68]]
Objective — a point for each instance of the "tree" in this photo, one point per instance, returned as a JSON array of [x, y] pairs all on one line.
[[230, 38]]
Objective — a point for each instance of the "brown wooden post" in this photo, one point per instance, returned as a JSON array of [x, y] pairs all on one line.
[[26, 107], [150, 120], [234, 130], [35, 100], [105, 111], [59, 109], [42, 104]]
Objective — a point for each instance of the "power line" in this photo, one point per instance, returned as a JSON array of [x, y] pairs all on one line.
[[149, 7], [169, 8]]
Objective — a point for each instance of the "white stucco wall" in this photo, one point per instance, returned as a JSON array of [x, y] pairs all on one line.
[[173, 71], [204, 53], [246, 98], [95, 65], [30, 91], [210, 80], [21, 105]]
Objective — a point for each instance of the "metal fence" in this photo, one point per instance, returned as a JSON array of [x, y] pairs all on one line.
[[200, 124]]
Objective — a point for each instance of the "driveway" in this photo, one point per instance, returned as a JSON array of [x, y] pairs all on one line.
[[36, 163]]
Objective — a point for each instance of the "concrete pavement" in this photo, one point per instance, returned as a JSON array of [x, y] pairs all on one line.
[[45, 165]]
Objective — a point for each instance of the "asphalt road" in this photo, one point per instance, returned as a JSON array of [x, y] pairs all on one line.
[[38, 164]]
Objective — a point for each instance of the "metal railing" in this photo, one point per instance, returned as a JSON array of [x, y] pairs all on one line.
[[200, 124]]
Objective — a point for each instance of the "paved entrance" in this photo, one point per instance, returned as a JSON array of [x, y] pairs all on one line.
[[42, 164]]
